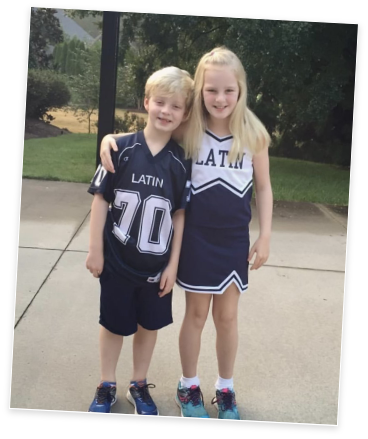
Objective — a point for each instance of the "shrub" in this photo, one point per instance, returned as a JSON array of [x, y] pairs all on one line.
[[131, 123], [46, 90]]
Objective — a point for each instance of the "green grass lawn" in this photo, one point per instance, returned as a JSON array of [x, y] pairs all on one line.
[[298, 180], [71, 157]]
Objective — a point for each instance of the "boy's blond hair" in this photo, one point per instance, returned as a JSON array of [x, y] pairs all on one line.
[[247, 130], [169, 81]]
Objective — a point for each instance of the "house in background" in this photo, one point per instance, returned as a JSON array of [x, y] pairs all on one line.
[[74, 30]]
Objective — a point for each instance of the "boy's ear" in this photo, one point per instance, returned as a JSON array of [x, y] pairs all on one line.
[[186, 115], [146, 100]]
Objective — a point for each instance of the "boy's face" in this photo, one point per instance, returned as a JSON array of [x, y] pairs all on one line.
[[165, 113]]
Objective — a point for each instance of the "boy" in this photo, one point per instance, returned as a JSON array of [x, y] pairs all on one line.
[[137, 221]]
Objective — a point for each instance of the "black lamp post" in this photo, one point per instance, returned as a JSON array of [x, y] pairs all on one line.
[[108, 75]]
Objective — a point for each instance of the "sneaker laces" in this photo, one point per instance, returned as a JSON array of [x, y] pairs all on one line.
[[195, 395], [144, 394], [102, 394], [226, 400]]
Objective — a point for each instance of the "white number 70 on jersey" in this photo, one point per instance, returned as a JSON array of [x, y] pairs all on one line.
[[155, 227]]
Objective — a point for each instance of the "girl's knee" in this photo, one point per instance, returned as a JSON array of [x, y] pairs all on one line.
[[196, 317], [225, 320], [197, 308]]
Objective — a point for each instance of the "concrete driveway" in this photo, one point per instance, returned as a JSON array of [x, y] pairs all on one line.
[[290, 319]]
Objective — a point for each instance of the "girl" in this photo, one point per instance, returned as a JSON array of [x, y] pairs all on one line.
[[229, 149]]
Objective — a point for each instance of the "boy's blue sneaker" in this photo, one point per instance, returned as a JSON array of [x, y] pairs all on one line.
[[226, 404], [104, 398], [138, 394], [190, 401]]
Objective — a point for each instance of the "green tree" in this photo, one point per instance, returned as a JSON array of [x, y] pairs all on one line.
[[149, 42], [67, 57], [300, 75], [86, 86], [127, 95], [71, 60], [57, 57], [63, 57], [176, 39], [69, 63], [45, 30]]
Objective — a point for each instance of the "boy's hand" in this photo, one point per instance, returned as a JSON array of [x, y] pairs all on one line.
[[262, 249], [107, 143], [168, 278], [95, 263]]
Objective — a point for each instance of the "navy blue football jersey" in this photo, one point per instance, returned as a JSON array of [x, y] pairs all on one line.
[[143, 193]]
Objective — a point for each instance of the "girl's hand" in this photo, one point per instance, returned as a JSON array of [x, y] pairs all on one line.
[[107, 143], [95, 263], [262, 249], [167, 281]]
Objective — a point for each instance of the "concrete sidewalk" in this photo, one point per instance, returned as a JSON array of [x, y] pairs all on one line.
[[290, 319]]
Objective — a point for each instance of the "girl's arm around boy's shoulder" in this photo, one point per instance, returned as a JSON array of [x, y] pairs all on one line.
[[108, 144], [264, 203]]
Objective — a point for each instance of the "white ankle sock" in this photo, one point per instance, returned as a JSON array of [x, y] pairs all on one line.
[[189, 382], [223, 383]]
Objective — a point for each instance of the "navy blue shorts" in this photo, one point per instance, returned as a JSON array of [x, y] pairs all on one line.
[[125, 304]]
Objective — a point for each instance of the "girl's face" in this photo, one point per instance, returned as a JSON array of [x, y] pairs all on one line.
[[220, 92]]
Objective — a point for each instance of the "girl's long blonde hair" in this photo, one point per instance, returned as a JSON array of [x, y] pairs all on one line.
[[247, 130]]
